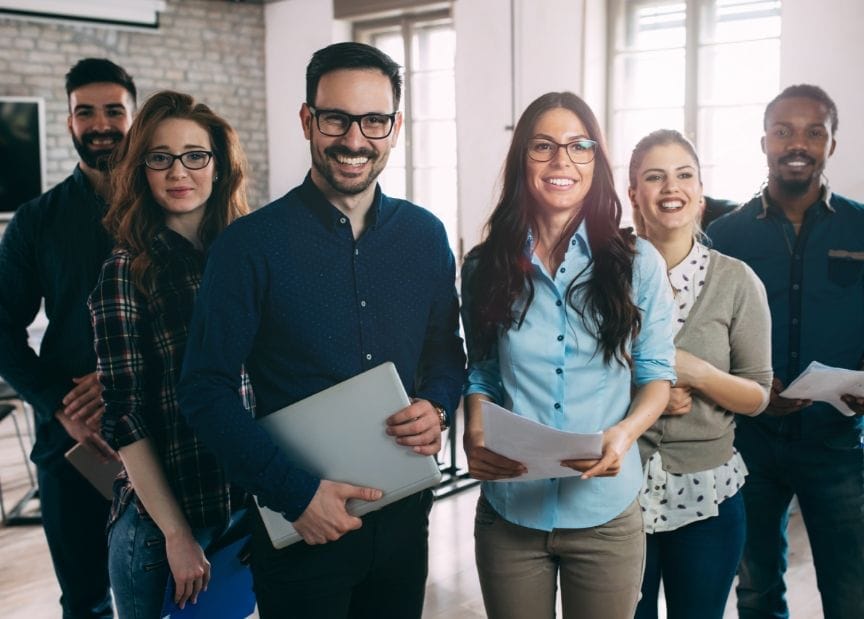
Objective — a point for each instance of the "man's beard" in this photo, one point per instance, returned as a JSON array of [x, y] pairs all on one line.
[[97, 159], [358, 185], [797, 186]]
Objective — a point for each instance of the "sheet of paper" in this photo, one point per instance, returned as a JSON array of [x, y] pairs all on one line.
[[826, 384], [540, 448]]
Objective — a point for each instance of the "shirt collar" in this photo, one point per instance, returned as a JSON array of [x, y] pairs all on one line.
[[328, 214], [825, 195], [682, 275], [579, 239]]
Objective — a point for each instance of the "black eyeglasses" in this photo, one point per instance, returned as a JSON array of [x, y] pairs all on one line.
[[191, 160], [336, 123], [580, 151]]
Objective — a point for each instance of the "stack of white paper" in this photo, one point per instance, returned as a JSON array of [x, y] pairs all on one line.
[[826, 384]]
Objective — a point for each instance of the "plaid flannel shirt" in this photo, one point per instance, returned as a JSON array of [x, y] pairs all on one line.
[[140, 339]]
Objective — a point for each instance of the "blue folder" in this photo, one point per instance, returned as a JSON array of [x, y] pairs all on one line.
[[229, 595]]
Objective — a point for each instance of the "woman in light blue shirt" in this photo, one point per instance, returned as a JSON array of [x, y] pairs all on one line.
[[569, 323]]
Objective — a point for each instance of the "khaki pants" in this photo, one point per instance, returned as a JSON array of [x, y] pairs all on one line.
[[600, 567]]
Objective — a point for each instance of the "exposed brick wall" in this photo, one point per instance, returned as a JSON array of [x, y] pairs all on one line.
[[211, 49]]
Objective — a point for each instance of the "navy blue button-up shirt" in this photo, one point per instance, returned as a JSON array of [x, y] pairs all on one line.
[[815, 285], [290, 292]]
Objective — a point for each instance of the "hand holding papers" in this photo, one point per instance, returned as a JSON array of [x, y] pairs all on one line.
[[826, 384], [540, 448]]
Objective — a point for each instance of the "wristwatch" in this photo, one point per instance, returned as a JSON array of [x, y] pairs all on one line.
[[442, 416]]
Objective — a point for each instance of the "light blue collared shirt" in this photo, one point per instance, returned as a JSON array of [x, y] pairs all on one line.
[[551, 371]]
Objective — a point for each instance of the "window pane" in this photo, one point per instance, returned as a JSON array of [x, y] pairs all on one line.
[[434, 95], [632, 126], [726, 21], [739, 72], [653, 25], [650, 79], [434, 143], [392, 181], [434, 47], [733, 164], [391, 44], [436, 189]]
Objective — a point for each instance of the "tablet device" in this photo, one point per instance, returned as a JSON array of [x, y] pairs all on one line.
[[94, 468], [339, 434]]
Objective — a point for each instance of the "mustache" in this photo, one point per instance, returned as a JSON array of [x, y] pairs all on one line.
[[797, 155], [88, 137], [336, 149]]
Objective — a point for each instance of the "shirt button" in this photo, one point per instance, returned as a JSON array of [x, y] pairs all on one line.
[[362, 303], [342, 220], [558, 302], [356, 252], [368, 357], [560, 338], [559, 371], [573, 242], [797, 257], [795, 287], [557, 406], [794, 355], [562, 270], [794, 321]]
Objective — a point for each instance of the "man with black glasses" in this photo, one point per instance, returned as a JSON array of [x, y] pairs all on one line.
[[52, 251], [330, 280]]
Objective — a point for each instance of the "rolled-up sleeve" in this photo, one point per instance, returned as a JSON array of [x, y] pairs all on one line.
[[653, 348], [117, 311]]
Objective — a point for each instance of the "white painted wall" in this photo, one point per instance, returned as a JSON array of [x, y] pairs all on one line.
[[821, 44]]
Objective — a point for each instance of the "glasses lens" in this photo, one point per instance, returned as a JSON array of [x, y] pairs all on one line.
[[541, 150], [333, 124], [581, 151], [158, 161], [376, 126], [195, 159]]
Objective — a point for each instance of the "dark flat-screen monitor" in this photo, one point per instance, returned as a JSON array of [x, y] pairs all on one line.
[[22, 148]]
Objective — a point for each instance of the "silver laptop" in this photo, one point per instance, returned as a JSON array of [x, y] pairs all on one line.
[[94, 468], [339, 434]]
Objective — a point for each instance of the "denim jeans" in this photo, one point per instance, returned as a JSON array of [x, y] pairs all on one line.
[[74, 516], [829, 483], [138, 565], [697, 564]]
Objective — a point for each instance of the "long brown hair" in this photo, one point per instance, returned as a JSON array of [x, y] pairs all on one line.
[[134, 217], [502, 272]]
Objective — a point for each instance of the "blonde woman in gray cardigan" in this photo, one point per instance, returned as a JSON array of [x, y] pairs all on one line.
[[693, 512]]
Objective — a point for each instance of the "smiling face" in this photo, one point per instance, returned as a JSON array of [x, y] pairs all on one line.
[[182, 193], [797, 144], [558, 185], [100, 115], [348, 165], [667, 195]]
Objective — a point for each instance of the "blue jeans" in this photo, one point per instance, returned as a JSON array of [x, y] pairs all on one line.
[[697, 564], [829, 483], [138, 565]]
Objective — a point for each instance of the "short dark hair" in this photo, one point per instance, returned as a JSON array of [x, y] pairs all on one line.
[[95, 70], [807, 91], [350, 55]]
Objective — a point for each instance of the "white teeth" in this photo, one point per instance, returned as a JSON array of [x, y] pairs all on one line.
[[671, 204], [797, 164], [351, 160], [561, 182]]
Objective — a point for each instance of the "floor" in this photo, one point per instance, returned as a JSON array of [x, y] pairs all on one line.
[[28, 589]]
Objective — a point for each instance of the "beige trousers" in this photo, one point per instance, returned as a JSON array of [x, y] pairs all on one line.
[[600, 568]]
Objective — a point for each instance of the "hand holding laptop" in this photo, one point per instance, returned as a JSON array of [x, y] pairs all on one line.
[[326, 518], [417, 426]]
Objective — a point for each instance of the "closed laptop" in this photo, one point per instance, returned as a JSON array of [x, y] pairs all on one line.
[[340, 434]]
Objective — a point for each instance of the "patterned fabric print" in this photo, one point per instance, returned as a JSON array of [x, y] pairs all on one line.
[[140, 342], [670, 501]]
